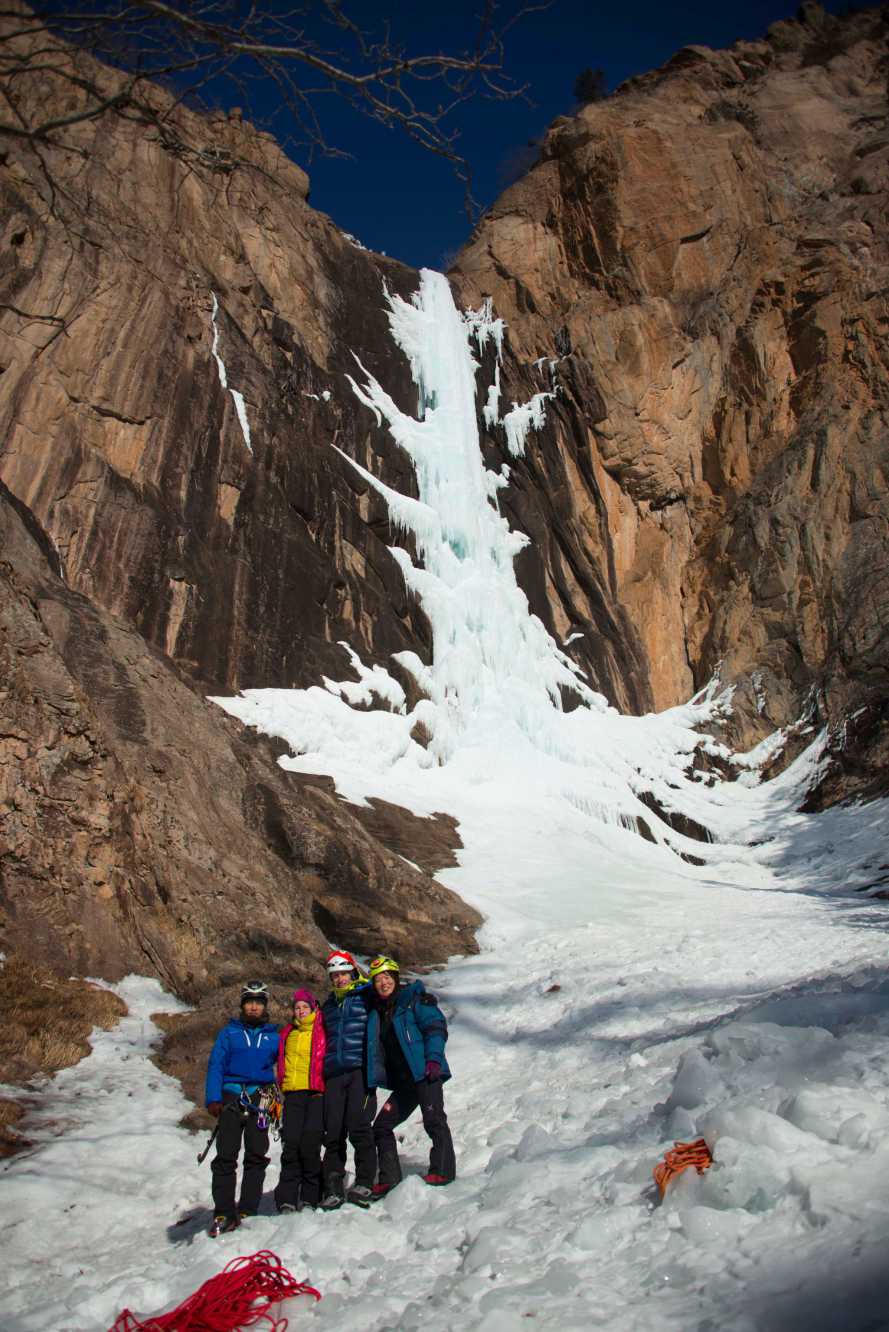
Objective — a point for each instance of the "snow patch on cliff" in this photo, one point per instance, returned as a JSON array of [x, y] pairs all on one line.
[[237, 396]]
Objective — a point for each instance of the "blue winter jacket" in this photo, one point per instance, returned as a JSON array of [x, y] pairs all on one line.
[[345, 1022], [422, 1031], [242, 1056]]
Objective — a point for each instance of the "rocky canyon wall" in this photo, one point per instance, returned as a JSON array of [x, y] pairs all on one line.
[[703, 257], [144, 829], [175, 327], [697, 267]]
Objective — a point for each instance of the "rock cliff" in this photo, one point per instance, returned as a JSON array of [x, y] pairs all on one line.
[[703, 257], [698, 268], [144, 830], [175, 327]]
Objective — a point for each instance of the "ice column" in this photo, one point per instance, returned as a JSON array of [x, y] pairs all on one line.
[[494, 663]]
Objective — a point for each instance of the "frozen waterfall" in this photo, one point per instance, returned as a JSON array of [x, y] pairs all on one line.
[[490, 716]]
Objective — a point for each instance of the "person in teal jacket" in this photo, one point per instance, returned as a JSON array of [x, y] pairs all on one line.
[[406, 1036]]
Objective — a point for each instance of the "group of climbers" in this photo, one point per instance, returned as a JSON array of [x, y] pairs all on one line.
[[325, 1066]]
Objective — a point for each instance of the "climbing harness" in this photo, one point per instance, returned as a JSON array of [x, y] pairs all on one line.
[[240, 1296], [682, 1156], [268, 1108]]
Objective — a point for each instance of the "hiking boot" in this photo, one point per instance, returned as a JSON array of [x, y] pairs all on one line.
[[437, 1180], [334, 1191], [221, 1224], [380, 1190], [287, 1207], [360, 1195]]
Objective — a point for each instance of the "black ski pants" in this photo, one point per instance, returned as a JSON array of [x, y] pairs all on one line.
[[302, 1131], [236, 1123], [349, 1110], [401, 1102]]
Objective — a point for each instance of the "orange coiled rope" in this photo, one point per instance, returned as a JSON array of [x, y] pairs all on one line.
[[683, 1155], [240, 1296]]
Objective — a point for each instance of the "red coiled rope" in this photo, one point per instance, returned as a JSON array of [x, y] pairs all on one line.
[[240, 1296], [683, 1155]]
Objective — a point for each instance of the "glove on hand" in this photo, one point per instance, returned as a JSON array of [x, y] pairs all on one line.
[[433, 1071], [214, 1108]]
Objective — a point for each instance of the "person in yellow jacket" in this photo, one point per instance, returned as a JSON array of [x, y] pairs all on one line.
[[301, 1048]]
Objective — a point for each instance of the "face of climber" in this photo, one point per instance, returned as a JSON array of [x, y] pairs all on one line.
[[340, 979], [253, 1008], [384, 984], [301, 1009]]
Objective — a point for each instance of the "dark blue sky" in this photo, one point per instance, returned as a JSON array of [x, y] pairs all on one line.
[[400, 199]]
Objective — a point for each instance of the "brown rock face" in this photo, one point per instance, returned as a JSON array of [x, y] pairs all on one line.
[[244, 559], [140, 829], [703, 257], [200, 526], [708, 246]]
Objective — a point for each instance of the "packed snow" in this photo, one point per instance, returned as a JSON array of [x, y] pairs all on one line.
[[628, 992]]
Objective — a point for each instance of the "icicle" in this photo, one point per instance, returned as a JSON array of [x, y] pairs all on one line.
[[491, 409], [483, 326], [530, 416]]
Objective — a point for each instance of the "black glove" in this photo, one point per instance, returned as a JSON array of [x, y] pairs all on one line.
[[214, 1109]]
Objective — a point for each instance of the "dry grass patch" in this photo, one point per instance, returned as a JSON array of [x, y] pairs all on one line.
[[47, 1018], [188, 1040], [10, 1141]]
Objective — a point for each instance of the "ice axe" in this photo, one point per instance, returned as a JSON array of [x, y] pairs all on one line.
[[210, 1141], [202, 1156]]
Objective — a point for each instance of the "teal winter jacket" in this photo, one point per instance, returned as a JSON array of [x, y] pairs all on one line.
[[422, 1032]]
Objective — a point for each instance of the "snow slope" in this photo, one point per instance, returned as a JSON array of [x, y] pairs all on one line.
[[624, 996]]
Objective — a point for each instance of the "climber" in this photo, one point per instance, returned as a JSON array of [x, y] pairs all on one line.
[[350, 1100], [240, 1074], [406, 1034], [301, 1049]]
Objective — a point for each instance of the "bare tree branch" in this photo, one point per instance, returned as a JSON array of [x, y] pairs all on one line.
[[192, 45]]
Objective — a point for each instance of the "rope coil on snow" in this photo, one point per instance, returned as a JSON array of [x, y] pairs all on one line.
[[682, 1157], [241, 1295]]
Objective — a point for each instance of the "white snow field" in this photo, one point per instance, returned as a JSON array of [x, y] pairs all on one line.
[[623, 997]]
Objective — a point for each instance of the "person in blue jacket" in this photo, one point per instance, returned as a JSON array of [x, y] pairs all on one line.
[[242, 1066], [406, 1035]]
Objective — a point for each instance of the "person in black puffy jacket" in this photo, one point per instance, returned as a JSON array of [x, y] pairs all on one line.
[[350, 1102]]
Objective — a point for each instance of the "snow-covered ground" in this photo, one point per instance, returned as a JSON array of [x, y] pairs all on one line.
[[624, 996]]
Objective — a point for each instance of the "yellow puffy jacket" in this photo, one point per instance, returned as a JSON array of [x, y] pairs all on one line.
[[298, 1055]]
